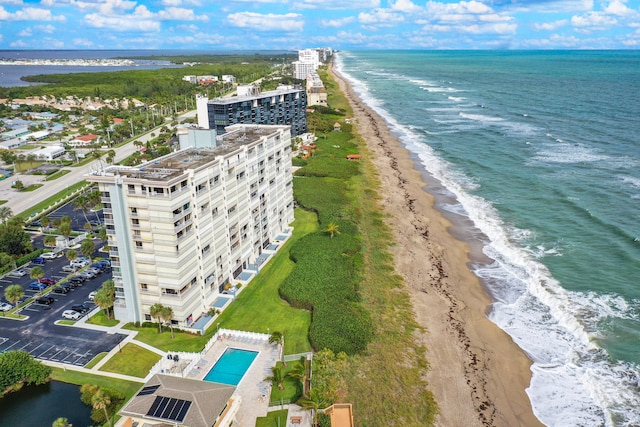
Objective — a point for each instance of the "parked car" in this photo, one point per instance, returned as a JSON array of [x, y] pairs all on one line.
[[95, 271], [78, 263], [92, 296], [37, 286], [47, 281], [18, 273], [98, 266], [105, 262], [69, 269], [49, 255], [71, 315], [62, 289], [76, 280], [86, 275], [80, 308], [39, 261], [46, 300], [5, 306], [35, 224]]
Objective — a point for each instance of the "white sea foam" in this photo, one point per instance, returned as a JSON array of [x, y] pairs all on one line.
[[574, 382], [457, 98]]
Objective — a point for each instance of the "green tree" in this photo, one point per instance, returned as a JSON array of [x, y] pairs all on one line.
[[104, 299], [167, 315], [18, 368], [276, 378], [332, 229], [65, 229], [72, 255], [299, 372], [7, 260], [156, 312], [5, 213], [61, 422], [82, 203], [18, 185], [13, 294], [87, 248], [49, 240], [45, 221], [314, 402], [36, 273], [13, 239], [101, 401]]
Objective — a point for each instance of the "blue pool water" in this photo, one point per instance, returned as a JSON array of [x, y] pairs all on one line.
[[231, 367]]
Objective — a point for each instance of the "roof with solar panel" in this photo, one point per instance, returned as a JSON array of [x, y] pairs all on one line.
[[180, 401]]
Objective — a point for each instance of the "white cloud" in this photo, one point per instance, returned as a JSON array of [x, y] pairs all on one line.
[[550, 26], [406, 6], [171, 2], [335, 4], [340, 22], [618, 8], [592, 21], [29, 14], [380, 18], [25, 33], [268, 22], [122, 23], [18, 43], [85, 43]]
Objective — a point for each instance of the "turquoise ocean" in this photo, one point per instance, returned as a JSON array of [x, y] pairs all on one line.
[[535, 156]]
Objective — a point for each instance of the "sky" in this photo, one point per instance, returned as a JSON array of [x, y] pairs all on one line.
[[339, 24]]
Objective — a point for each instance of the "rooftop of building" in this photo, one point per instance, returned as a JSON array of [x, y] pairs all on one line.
[[235, 99], [175, 164]]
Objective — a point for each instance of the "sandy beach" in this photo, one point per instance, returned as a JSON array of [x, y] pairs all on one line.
[[477, 374]]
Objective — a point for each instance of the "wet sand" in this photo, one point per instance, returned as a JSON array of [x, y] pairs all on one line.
[[477, 373]]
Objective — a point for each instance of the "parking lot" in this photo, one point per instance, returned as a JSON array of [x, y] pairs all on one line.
[[40, 336]]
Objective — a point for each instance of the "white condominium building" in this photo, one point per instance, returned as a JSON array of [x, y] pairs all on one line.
[[182, 227]]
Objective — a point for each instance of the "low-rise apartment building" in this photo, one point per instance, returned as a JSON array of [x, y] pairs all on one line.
[[182, 227]]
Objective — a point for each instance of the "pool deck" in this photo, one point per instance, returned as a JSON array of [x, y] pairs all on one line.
[[253, 388]]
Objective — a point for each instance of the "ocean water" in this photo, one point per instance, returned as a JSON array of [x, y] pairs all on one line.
[[537, 156]]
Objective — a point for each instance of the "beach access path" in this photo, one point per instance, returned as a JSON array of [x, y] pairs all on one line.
[[477, 373]]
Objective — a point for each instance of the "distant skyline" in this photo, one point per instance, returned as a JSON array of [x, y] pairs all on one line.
[[298, 24]]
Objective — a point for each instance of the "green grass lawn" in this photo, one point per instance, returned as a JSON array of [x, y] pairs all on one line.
[[56, 175], [95, 360], [291, 391], [101, 319], [128, 388], [132, 360], [259, 307], [273, 419], [31, 187], [182, 341]]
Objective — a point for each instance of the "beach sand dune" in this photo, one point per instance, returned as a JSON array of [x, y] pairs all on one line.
[[477, 373]]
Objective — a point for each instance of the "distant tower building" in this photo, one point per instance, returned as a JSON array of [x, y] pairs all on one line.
[[284, 106], [183, 227]]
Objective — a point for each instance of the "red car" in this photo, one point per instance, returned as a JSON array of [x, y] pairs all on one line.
[[47, 281]]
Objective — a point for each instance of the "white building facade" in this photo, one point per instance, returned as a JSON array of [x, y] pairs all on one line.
[[183, 227]]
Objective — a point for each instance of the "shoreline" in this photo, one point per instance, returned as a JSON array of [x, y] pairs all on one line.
[[477, 374]]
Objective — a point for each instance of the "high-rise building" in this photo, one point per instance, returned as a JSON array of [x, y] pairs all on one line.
[[302, 69], [284, 106], [183, 227]]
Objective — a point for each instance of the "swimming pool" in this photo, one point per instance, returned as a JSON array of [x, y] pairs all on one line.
[[231, 366]]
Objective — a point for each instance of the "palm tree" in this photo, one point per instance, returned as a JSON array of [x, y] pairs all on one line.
[[167, 316], [45, 221], [60, 422], [5, 213], [156, 311], [6, 259], [81, 203], [104, 300], [299, 372], [276, 377], [36, 273], [332, 229], [14, 294], [65, 229], [72, 254], [49, 240], [314, 402], [101, 401], [95, 201], [111, 155], [87, 248]]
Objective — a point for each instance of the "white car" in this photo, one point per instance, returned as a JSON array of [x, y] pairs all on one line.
[[71, 315], [92, 296], [49, 255], [5, 306], [18, 273]]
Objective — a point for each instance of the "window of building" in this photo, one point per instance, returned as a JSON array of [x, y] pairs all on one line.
[[135, 221], [138, 245], [147, 317], [206, 249], [144, 286], [134, 211], [214, 211]]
